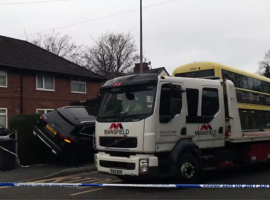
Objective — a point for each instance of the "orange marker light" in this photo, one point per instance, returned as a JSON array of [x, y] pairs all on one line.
[[68, 141]]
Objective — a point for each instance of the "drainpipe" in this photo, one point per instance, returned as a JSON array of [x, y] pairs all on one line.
[[21, 93]]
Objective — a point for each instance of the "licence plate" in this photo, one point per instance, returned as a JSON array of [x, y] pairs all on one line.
[[116, 171], [51, 129]]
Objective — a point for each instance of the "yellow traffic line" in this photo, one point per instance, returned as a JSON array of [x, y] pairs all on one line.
[[93, 190], [79, 180], [57, 179], [94, 172], [88, 191], [35, 181]]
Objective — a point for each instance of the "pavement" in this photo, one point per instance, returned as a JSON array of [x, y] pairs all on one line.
[[257, 174], [43, 171]]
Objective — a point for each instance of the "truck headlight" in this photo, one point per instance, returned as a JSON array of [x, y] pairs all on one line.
[[143, 165], [95, 158]]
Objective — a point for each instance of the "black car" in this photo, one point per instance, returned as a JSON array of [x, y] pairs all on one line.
[[68, 132]]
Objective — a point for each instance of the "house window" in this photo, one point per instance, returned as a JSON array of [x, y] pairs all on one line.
[[3, 117], [78, 86], [44, 111], [45, 82], [3, 79]]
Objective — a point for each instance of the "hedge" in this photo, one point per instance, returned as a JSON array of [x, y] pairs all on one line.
[[30, 149]]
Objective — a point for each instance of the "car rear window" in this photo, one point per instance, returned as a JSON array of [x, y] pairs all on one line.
[[81, 113], [60, 124]]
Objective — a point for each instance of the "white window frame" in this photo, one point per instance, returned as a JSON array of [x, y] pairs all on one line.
[[44, 89], [2, 72], [6, 114], [45, 110], [81, 82]]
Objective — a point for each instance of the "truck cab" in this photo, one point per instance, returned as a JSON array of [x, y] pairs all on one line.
[[149, 126]]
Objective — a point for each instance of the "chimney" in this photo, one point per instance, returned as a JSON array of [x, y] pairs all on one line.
[[137, 68]]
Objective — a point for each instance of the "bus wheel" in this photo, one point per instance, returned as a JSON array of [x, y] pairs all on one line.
[[188, 169]]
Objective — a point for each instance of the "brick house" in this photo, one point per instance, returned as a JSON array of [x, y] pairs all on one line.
[[33, 80], [161, 71]]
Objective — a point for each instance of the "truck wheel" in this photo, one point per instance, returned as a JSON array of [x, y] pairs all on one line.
[[188, 169]]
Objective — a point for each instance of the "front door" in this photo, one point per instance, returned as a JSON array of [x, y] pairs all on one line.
[[169, 128]]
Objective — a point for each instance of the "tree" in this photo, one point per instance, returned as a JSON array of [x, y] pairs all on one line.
[[62, 46], [113, 52], [264, 69]]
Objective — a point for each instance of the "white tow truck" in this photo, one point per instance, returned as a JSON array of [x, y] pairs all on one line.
[[149, 127]]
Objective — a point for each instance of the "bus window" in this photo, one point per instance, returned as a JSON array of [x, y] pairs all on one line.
[[257, 85], [267, 119], [260, 119], [244, 119], [242, 82], [250, 83], [197, 74], [229, 76], [266, 87], [253, 121]]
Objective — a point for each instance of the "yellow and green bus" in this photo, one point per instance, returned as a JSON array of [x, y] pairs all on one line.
[[253, 91]]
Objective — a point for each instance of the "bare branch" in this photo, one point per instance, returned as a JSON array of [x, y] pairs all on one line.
[[62, 46], [264, 65], [112, 52]]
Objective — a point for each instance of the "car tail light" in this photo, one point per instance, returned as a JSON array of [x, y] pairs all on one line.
[[66, 139], [42, 118]]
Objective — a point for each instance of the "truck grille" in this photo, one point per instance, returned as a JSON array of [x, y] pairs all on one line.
[[130, 142]]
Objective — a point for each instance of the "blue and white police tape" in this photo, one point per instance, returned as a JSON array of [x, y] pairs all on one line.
[[29, 184]]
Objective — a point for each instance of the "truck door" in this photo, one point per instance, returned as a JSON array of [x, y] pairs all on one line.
[[169, 127], [212, 121], [192, 119]]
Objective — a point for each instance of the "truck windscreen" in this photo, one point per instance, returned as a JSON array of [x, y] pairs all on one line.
[[127, 103]]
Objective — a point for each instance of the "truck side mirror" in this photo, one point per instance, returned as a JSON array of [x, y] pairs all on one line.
[[99, 97], [175, 106]]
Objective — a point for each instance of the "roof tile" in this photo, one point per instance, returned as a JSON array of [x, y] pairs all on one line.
[[22, 54]]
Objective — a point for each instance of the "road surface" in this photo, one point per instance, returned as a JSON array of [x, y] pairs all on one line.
[[259, 174]]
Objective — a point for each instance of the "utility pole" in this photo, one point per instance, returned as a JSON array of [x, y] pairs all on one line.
[[141, 38]]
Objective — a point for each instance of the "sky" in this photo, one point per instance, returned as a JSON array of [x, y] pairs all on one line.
[[232, 32]]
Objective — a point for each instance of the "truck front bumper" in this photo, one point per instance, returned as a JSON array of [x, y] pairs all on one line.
[[135, 165]]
